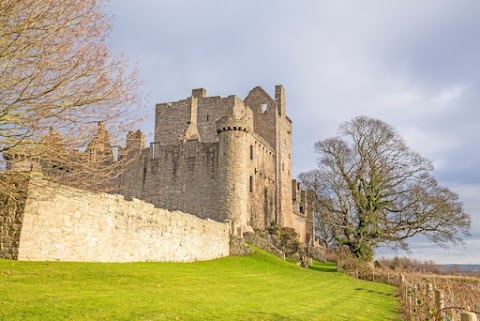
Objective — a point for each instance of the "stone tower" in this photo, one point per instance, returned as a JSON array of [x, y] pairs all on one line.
[[234, 130], [272, 123]]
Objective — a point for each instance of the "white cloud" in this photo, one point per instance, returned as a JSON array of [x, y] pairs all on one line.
[[447, 96]]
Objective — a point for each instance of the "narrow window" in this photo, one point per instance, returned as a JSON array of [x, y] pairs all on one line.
[[251, 184], [144, 178], [251, 152], [208, 117]]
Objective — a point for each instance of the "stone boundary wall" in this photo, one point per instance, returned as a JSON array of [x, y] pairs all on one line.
[[66, 224]]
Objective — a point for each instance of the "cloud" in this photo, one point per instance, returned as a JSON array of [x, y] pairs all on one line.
[[460, 254]]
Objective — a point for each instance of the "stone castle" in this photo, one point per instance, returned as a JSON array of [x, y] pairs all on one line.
[[219, 170], [222, 159]]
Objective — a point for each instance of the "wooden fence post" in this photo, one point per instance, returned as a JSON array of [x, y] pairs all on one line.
[[402, 286], [439, 302], [429, 297], [409, 295], [430, 290], [468, 316]]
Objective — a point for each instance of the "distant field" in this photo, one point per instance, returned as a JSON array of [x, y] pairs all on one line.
[[256, 287]]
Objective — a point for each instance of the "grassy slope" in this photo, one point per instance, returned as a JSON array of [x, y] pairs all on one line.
[[256, 287]]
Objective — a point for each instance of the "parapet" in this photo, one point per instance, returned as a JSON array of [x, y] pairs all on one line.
[[199, 93]]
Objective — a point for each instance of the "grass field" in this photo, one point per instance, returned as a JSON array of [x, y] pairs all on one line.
[[256, 287]]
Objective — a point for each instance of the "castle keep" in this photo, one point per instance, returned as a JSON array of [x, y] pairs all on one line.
[[222, 159]]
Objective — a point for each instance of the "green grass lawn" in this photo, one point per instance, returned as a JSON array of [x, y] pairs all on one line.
[[255, 287]]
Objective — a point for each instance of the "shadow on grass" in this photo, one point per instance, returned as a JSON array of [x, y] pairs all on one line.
[[372, 291], [324, 267], [273, 316]]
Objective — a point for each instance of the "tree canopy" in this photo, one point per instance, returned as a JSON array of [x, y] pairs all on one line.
[[59, 77], [372, 190]]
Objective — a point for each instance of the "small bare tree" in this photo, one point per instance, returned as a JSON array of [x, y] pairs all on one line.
[[375, 191], [58, 81]]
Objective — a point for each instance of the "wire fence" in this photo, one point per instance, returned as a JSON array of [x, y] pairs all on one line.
[[427, 297], [440, 298]]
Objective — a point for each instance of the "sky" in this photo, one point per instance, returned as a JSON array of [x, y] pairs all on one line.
[[413, 64]]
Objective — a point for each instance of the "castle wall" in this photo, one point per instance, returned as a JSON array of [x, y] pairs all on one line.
[[284, 160], [284, 170], [210, 111], [67, 224], [177, 177], [130, 182], [172, 119], [262, 159], [303, 213], [184, 177], [297, 221], [307, 204]]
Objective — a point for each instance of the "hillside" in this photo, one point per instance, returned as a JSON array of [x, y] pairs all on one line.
[[256, 287]]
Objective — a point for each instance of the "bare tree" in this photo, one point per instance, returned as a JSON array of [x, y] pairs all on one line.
[[58, 81], [375, 191]]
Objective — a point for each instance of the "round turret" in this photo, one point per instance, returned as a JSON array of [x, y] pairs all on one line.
[[237, 184]]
